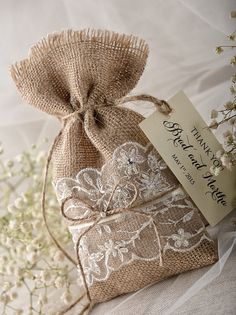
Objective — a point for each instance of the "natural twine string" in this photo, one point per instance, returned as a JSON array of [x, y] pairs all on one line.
[[163, 107], [99, 215]]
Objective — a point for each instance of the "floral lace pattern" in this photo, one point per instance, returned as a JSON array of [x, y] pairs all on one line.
[[131, 162], [172, 223]]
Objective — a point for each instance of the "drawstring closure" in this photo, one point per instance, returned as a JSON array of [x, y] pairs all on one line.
[[160, 105], [164, 108]]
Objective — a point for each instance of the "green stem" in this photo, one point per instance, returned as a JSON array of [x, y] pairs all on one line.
[[226, 119], [11, 307], [25, 283], [227, 46]]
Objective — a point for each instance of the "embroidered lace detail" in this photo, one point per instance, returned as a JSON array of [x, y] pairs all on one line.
[[117, 247], [173, 223], [130, 161]]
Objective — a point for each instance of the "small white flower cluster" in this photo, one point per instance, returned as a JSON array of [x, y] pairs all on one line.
[[228, 115], [225, 160], [227, 154], [29, 259]]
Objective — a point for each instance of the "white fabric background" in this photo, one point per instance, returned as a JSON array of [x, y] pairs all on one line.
[[182, 35]]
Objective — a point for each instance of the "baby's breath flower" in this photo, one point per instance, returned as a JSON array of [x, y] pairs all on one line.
[[229, 105], [12, 209], [67, 297], [20, 248], [29, 275], [219, 50], [10, 242], [34, 146], [6, 286], [37, 178], [4, 258], [5, 298], [45, 275], [13, 295], [37, 224], [52, 252], [231, 37], [36, 241], [9, 174], [9, 163], [12, 224], [2, 298], [25, 227], [27, 247], [219, 153], [213, 124], [233, 14], [225, 159], [19, 273], [3, 269], [19, 158], [59, 282], [214, 113], [42, 299], [227, 134], [232, 90], [41, 157], [32, 257], [19, 203], [38, 281], [59, 256], [25, 197], [215, 170], [18, 284], [233, 61], [3, 239], [232, 121], [10, 269], [30, 248]]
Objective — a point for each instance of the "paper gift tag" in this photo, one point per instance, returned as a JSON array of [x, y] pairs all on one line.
[[189, 149]]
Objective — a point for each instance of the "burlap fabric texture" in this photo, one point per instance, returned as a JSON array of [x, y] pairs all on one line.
[[131, 221]]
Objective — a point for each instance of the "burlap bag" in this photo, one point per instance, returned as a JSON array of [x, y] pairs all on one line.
[[132, 222]]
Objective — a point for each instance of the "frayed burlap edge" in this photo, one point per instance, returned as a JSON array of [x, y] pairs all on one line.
[[70, 37]]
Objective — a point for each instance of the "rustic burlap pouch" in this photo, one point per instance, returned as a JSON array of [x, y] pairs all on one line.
[[132, 222]]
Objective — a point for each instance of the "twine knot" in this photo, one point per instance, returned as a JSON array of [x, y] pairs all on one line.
[[160, 105], [84, 107], [78, 114]]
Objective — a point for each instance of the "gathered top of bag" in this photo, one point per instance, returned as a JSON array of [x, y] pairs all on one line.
[[74, 70], [78, 76]]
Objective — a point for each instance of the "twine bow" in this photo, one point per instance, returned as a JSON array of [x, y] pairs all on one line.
[[97, 216]]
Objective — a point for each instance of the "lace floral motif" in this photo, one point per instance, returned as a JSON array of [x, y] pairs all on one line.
[[131, 162], [173, 222], [118, 247]]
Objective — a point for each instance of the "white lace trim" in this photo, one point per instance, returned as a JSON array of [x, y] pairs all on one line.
[[142, 165], [127, 237]]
